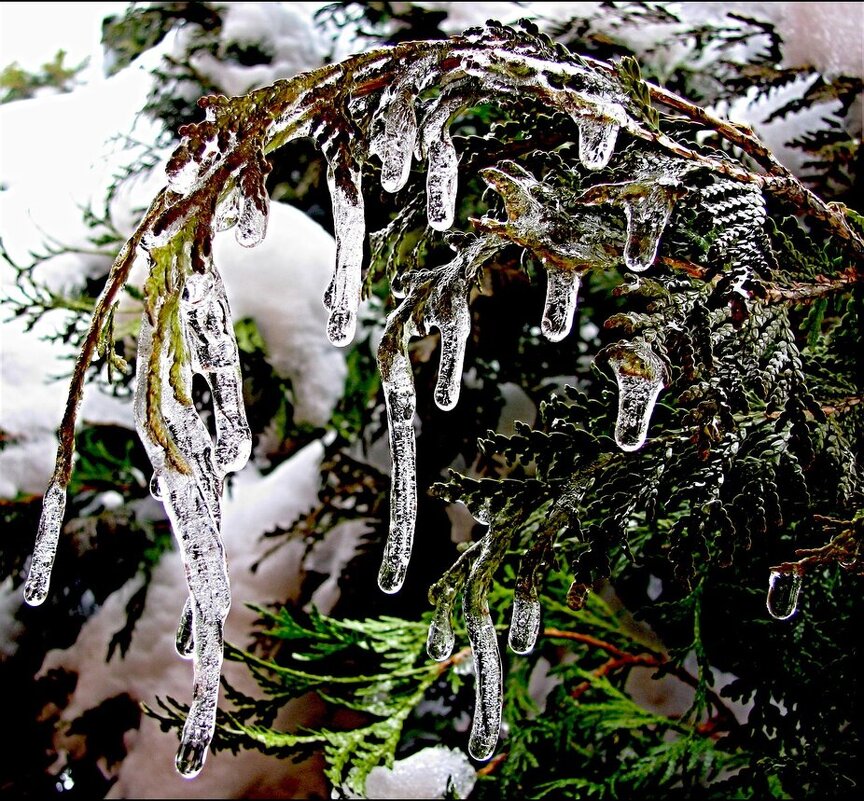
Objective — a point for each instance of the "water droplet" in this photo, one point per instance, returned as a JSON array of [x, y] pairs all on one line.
[[155, 490]]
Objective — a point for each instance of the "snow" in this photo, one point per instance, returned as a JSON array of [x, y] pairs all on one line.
[[427, 774]]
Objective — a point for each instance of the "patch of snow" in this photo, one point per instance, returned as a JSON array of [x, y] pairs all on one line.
[[429, 773]]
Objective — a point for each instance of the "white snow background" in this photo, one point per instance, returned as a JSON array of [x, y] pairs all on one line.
[[53, 160]]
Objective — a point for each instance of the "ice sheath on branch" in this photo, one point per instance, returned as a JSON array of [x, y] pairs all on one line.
[[392, 105]]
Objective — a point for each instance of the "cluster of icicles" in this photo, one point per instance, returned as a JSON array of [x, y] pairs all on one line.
[[189, 467]]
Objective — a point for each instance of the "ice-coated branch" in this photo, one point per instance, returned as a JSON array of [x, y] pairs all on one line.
[[393, 106], [434, 298]]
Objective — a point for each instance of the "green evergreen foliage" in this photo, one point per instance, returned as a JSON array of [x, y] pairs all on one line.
[[651, 567]]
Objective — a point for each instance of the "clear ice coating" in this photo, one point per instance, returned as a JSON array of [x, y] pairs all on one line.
[[47, 537], [349, 222], [399, 397], [442, 174], [562, 293], [190, 468], [784, 587], [597, 136], [525, 621], [489, 685], [641, 375], [647, 215], [395, 143]]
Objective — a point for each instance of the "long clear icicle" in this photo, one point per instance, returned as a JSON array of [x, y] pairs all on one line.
[[489, 679], [444, 295], [399, 397], [215, 356], [640, 374], [45, 549], [342, 298], [436, 145], [189, 479]]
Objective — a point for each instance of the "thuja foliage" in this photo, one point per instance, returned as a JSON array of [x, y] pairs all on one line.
[[700, 437]]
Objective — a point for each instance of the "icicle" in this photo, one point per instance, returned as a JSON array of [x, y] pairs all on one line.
[[442, 181], [640, 375], [216, 357], [441, 639], [47, 537], [447, 310], [343, 295], [400, 400], [395, 143], [525, 621], [562, 292], [442, 174], [526, 616], [182, 453], [647, 215], [489, 687], [597, 136], [784, 587], [254, 204]]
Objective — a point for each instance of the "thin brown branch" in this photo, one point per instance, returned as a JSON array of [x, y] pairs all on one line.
[[623, 660], [114, 283], [778, 179], [806, 293]]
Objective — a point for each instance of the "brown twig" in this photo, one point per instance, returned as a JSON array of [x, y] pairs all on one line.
[[622, 659]]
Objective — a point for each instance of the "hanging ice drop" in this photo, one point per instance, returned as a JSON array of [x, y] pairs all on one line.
[[489, 679], [597, 137], [395, 144], [525, 622], [640, 375], [47, 537], [399, 398], [349, 223], [647, 215], [441, 182], [562, 293], [784, 587], [441, 639]]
